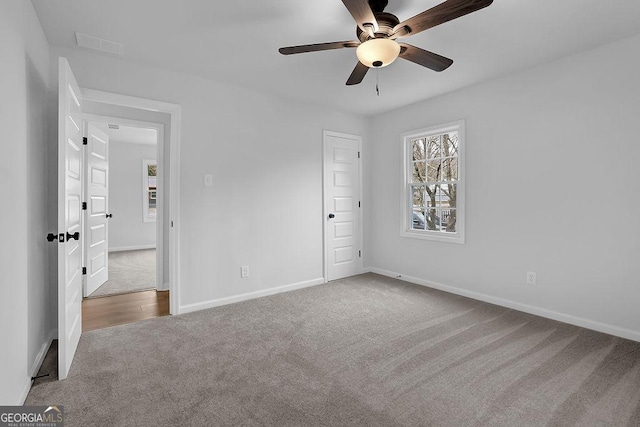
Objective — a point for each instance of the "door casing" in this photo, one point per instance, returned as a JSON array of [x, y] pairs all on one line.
[[172, 164]]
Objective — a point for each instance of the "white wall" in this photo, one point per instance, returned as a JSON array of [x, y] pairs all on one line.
[[126, 228], [265, 208], [552, 185], [26, 313]]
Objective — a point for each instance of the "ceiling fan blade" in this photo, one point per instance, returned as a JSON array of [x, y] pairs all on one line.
[[444, 12], [358, 74], [424, 57], [317, 47], [363, 15]]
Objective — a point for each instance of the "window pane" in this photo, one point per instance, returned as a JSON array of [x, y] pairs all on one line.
[[450, 169], [448, 218], [433, 221], [450, 144], [418, 152], [151, 198], [419, 172], [433, 147], [417, 221], [431, 196], [418, 195], [447, 196], [434, 169]]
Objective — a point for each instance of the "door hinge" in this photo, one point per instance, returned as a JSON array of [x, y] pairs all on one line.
[[84, 270], [359, 205], [359, 254], [358, 154], [84, 206], [85, 141]]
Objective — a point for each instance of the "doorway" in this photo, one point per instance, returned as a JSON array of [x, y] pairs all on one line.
[[128, 285], [133, 204]]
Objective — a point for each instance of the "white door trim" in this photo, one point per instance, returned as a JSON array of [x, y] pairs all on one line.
[[175, 112], [325, 198], [159, 245]]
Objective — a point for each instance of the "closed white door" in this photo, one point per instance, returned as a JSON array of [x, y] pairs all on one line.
[[97, 205], [69, 218], [342, 205]]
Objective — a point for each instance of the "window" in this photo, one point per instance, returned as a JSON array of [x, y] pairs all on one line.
[[433, 184], [149, 190]]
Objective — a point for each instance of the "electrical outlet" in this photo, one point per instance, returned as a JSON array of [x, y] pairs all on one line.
[[244, 272], [531, 277], [208, 180]]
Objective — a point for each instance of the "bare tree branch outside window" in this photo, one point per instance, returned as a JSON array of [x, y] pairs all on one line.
[[435, 182]]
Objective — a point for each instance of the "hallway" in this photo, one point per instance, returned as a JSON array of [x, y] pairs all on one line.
[[103, 312]]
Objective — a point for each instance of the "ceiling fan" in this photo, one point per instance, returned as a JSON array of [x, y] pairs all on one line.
[[378, 32]]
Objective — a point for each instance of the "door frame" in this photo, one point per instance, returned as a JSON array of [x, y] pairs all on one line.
[[172, 165], [159, 128], [325, 201]]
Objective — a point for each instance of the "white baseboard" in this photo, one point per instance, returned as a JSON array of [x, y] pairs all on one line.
[[538, 311], [26, 387], [251, 295], [132, 248], [37, 363]]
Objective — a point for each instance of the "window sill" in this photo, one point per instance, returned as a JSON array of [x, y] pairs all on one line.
[[456, 238]]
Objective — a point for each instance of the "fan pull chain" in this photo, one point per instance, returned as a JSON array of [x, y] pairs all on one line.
[[377, 82]]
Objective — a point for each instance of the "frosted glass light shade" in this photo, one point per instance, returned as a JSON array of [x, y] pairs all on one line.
[[376, 53]]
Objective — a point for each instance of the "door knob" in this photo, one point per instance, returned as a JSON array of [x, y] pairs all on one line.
[[75, 236], [51, 237], [331, 216], [109, 215]]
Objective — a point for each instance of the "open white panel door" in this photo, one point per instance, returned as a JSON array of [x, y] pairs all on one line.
[[97, 192], [69, 218], [343, 224]]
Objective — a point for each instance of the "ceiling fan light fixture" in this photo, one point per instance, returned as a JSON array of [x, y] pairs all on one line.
[[378, 53]]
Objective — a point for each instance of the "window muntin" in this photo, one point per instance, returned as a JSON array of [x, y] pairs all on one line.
[[433, 197]]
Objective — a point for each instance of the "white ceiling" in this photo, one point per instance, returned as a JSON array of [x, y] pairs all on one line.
[[237, 41], [130, 134]]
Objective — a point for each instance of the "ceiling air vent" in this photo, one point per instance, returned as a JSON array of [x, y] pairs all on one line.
[[91, 42]]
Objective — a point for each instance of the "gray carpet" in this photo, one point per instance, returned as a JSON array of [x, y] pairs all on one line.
[[361, 351], [129, 271]]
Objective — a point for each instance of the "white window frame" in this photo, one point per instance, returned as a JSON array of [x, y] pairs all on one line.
[[406, 210], [145, 189]]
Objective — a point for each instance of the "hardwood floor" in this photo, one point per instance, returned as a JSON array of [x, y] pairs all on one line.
[[98, 313]]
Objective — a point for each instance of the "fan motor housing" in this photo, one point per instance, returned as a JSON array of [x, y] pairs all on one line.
[[386, 24], [378, 5]]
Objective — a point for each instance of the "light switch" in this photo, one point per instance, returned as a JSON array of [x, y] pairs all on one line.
[[208, 180]]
